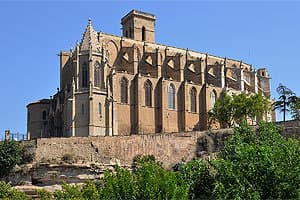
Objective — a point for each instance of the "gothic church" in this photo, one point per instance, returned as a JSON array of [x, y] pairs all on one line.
[[112, 85]]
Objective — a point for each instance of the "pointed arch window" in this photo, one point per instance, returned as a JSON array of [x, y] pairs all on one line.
[[213, 98], [44, 115], [143, 33], [193, 95], [171, 96], [148, 93], [84, 75], [98, 75], [124, 90]]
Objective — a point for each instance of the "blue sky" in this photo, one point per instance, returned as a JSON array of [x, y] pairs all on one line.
[[265, 34]]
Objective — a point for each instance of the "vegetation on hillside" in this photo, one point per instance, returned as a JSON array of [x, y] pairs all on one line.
[[254, 164]]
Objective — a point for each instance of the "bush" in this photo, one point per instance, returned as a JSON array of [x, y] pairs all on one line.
[[44, 194], [197, 173], [149, 180], [68, 192], [258, 164], [7, 192], [10, 155]]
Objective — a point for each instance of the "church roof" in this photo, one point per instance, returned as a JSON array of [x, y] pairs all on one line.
[[89, 38]]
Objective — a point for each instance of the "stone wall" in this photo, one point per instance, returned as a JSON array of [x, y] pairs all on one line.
[[168, 148], [291, 128]]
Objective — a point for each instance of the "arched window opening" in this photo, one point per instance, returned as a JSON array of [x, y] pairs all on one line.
[[193, 95], [44, 115], [148, 93], [213, 98], [171, 96], [124, 90], [126, 33], [84, 75], [82, 109], [143, 33], [98, 75]]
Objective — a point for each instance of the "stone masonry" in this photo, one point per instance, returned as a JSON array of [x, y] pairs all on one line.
[[127, 85]]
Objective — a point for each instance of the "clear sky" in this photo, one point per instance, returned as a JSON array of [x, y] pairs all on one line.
[[265, 34]]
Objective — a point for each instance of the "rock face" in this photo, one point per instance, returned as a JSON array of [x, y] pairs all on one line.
[[54, 174], [167, 148], [77, 159]]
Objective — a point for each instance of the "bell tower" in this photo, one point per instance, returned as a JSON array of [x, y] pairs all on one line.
[[139, 26]]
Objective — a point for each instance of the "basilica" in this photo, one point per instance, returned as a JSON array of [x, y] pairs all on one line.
[[123, 85]]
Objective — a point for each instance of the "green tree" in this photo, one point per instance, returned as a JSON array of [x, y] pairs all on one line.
[[10, 155], [257, 105], [222, 111], [198, 175], [240, 104], [237, 108], [258, 164], [285, 100], [295, 108]]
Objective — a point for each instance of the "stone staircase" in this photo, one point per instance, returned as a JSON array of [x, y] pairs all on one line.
[[29, 190]]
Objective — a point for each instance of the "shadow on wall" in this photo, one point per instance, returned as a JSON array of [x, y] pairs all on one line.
[[212, 142]]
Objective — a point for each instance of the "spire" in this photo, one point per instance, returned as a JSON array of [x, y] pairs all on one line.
[[89, 38]]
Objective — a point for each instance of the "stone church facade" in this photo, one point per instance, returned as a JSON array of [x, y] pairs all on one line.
[[112, 85]]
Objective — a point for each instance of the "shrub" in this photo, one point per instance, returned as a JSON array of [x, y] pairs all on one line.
[[44, 194], [68, 192], [10, 155], [7, 192], [149, 180], [197, 173], [89, 191], [258, 164]]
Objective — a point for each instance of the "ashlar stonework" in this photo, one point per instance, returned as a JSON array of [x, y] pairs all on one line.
[[112, 85]]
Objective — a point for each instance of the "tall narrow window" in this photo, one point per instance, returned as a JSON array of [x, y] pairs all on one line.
[[171, 96], [98, 73], [130, 32], [82, 109], [213, 97], [124, 90], [44, 115], [100, 109], [84, 75], [148, 93], [193, 95], [143, 33]]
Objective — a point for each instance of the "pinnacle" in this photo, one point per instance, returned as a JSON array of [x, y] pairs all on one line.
[[89, 38]]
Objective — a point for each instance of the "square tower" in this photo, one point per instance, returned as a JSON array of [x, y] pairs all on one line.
[[139, 26]]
